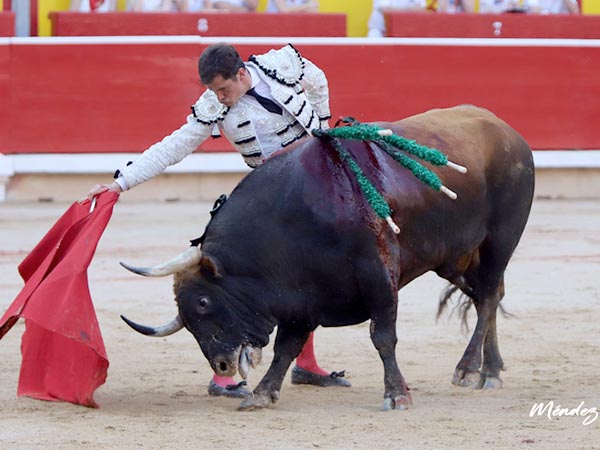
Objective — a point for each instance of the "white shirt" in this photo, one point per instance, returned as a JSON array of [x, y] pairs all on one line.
[[240, 3], [549, 6], [271, 7], [153, 5], [195, 5], [265, 123], [377, 19], [494, 6]]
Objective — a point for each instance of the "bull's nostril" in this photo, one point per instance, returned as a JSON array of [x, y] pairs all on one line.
[[223, 366]]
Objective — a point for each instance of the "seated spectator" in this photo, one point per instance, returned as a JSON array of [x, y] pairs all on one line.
[[93, 5], [484, 6], [449, 6], [194, 5], [553, 6], [229, 5], [233, 5], [377, 19], [292, 6], [153, 5]]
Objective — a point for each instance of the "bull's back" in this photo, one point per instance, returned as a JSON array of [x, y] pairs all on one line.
[[499, 163], [312, 200], [496, 192], [496, 156], [473, 134]]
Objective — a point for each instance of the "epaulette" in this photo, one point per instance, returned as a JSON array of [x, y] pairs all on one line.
[[208, 110], [284, 65]]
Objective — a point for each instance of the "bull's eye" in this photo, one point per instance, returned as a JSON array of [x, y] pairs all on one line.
[[203, 302]]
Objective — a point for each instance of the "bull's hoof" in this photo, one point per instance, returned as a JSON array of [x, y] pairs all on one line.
[[258, 401], [232, 390], [466, 379], [400, 402], [303, 376], [492, 383]]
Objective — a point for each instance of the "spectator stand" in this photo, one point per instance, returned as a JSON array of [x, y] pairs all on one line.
[[506, 25], [355, 11], [210, 23]]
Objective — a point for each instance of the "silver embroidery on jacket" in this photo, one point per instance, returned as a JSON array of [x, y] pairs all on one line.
[[208, 110]]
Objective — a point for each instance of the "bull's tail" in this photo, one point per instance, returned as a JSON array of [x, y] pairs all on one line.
[[462, 306]]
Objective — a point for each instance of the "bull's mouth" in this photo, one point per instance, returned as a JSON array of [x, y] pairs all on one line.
[[241, 360]]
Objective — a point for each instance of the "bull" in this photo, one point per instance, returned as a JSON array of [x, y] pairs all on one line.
[[297, 246]]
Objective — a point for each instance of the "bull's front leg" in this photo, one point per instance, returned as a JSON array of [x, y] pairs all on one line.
[[288, 345], [383, 335]]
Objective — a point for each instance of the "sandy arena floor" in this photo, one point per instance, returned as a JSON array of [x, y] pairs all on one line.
[[155, 395]]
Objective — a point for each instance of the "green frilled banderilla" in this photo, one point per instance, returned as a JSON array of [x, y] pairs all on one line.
[[393, 145]]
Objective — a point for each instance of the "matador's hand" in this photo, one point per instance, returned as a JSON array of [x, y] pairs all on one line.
[[100, 188]]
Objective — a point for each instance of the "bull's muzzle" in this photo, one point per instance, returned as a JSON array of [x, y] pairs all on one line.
[[241, 360], [226, 365]]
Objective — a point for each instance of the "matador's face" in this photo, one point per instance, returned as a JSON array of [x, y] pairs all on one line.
[[229, 90]]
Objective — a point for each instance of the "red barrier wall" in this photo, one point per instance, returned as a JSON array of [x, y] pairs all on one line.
[[5, 96], [7, 23], [118, 96], [98, 98], [203, 24], [507, 25]]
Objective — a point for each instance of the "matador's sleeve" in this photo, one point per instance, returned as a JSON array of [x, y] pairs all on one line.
[[316, 89], [173, 148]]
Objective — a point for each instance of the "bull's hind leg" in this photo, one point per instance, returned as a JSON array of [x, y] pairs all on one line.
[[492, 361], [483, 282], [482, 352]]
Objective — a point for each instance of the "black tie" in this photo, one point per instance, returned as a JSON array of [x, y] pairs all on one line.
[[265, 102]]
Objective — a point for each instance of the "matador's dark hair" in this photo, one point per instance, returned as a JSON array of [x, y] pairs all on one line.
[[219, 59]]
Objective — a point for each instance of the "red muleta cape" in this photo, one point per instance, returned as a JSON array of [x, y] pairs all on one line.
[[64, 358]]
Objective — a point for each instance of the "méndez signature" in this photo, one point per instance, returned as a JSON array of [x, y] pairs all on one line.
[[549, 409]]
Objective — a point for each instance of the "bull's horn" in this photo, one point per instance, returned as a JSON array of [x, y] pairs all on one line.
[[166, 330], [187, 259]]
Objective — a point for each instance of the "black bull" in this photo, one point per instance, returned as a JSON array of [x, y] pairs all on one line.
[[297, 246]]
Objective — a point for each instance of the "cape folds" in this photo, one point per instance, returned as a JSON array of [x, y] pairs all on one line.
[[64, 358]]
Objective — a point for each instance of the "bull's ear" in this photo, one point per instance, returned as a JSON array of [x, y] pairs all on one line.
[[210, 267]]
